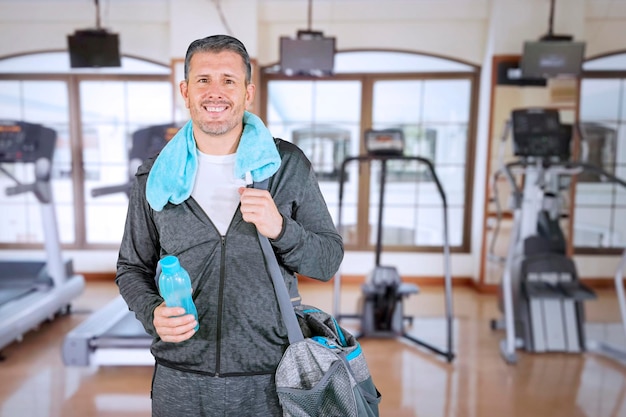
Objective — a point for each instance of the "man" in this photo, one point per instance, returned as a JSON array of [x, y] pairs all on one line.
[[227, 367]]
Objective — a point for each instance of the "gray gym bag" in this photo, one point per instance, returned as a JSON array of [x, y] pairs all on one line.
[[325, 374]]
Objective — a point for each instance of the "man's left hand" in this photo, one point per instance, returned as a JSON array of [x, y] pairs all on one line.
[[258, 207]]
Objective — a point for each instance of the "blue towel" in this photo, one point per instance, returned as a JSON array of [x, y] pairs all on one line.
[[173, 174]]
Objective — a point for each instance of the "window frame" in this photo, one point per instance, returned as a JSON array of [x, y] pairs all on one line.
[[73, 79], [599, 74], [269, 73]]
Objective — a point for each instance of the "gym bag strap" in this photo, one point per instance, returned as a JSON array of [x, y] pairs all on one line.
[[284, 301], [323, 372]]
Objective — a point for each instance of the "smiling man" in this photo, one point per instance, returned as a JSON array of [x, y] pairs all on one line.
[[191, 201]]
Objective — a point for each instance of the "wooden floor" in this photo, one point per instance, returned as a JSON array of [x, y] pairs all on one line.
[[414, 382]]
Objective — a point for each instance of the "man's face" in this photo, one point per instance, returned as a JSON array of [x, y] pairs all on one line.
[[216, 93]]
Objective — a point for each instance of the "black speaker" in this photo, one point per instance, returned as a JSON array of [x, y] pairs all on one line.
[[509, 73], [94, 48]]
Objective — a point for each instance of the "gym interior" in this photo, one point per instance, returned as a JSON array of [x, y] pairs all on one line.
[[468, 150]]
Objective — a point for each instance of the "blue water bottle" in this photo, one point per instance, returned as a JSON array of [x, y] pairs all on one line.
[[175, 286]]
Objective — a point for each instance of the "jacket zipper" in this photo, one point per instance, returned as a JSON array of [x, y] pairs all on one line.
[[219, 309]]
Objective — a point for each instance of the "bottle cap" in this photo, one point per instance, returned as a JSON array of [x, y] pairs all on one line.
[[169, 263]]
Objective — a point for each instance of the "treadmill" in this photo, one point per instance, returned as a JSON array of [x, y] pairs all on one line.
[[112, 336], [32, 292]]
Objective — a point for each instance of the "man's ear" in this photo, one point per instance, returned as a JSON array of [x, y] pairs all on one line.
[[183, 86], [250, 93]]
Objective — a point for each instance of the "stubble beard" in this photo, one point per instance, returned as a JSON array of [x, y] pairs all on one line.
[[214, 127], [217, 128]]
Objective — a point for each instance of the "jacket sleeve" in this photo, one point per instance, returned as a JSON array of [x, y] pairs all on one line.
[[138, 258], [309, 243]]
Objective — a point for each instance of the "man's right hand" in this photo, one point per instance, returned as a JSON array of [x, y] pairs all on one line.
[[172, 325]]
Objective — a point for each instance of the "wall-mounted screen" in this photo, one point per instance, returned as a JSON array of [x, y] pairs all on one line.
[[548, 59], [310, 56], [94, 48]]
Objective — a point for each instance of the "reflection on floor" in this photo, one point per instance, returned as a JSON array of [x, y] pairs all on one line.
[[414, 382]]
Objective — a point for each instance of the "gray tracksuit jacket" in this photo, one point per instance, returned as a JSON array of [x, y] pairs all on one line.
[[241, 330]]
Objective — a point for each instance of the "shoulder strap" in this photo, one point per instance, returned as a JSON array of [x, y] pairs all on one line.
[[284, 301]]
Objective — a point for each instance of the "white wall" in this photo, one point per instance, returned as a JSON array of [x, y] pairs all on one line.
[[448, 27], [470, 30], [195, 19], [30, 26]]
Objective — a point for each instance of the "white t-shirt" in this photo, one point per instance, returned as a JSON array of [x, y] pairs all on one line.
[[216, 188]]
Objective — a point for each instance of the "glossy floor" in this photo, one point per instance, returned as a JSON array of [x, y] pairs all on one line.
[[413, 381]]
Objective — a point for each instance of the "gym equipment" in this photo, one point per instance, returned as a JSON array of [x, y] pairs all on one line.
[[32, 292], [146, 142], [384, 292], [541, 296], [112, 335]]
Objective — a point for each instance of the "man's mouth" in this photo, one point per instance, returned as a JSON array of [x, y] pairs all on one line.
[[215, 109]]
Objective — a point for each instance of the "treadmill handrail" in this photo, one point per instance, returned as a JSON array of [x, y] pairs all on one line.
[[112, 189], [590, 167], [564, 166]]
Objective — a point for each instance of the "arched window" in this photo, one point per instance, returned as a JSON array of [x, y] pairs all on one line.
[[94, 112], [431, 99]]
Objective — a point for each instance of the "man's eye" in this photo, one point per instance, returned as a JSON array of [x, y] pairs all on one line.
[[203, 80]]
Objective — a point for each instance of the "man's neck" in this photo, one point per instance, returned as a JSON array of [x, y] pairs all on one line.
[[218, 145]]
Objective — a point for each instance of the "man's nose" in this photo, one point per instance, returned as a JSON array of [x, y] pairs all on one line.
[[214, 90]]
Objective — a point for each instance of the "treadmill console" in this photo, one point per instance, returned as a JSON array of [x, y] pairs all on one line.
[[538, 132], [149, 141], [25, 142], [384, 142]]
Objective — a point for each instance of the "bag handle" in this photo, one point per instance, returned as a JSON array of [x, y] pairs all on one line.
[[284, 301]]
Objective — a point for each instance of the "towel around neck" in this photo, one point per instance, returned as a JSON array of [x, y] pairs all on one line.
[[173, 173]]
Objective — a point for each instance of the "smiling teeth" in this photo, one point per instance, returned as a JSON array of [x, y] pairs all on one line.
[[215, 108]]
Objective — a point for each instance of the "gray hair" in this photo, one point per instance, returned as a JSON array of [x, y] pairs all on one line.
[[216, 44]]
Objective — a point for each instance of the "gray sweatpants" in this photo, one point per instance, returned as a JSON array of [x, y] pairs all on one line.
[[176, 393]]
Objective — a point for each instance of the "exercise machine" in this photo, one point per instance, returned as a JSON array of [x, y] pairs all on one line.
[[541, 297], [113, 335], [384, 293], [32, 292]]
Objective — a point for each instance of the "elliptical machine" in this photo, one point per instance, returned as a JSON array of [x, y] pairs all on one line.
[[383, 293], [541, 296]]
